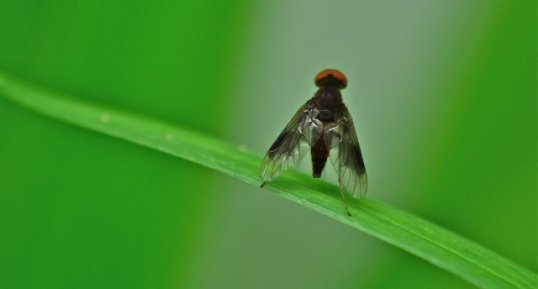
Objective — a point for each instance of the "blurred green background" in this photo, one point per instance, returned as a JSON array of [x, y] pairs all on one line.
[[443, 94]]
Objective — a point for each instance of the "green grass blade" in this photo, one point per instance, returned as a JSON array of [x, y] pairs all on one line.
[[472, 262]]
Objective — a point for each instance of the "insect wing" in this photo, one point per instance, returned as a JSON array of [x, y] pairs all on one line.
[[288, 148], [347, 157]]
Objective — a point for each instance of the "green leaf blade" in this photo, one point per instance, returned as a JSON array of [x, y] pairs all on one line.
[[447, 250]]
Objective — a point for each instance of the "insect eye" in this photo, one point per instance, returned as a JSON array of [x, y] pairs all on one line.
[[331, 74]]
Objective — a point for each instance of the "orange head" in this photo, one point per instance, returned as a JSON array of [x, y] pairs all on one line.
[[331, 76]]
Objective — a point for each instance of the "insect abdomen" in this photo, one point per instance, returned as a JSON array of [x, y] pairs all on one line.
[[319, 155]]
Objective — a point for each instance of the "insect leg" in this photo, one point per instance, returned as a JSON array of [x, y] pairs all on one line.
[[340, 187]]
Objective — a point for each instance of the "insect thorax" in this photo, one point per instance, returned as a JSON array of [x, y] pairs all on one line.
[[328, 98]]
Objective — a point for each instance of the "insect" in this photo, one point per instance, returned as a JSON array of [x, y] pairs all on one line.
[[324, 126]]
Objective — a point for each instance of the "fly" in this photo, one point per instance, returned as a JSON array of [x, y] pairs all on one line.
[[323, 126]]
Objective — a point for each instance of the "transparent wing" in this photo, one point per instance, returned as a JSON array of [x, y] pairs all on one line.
[[290, 146], [347, 157]]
